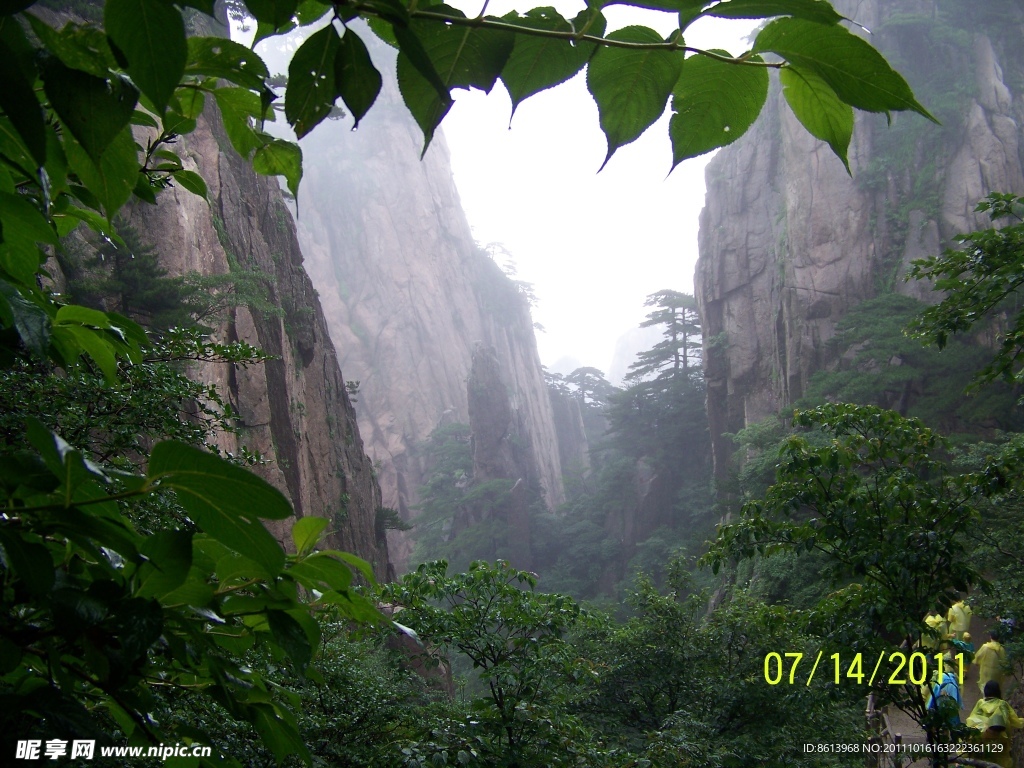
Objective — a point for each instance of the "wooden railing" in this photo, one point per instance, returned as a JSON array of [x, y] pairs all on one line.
[[888, 754]]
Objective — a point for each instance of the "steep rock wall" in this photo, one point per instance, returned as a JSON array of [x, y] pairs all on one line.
[[789, 242], [294, 408], [408, 294]]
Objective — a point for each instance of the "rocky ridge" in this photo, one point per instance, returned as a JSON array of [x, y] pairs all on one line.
[[789, 242]]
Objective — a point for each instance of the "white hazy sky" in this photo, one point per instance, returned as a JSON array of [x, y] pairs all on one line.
[[594, 245]]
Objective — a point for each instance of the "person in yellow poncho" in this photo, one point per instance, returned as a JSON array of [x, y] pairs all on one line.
[[991, 661], [959, 618], [934, 621], [996, 721]]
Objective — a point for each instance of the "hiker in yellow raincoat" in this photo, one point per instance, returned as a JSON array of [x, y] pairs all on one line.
[[935, 622], [991, 661], [959, 618], [996, 721]]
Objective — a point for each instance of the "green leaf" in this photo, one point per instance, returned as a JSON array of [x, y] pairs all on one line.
[[461, 57], [671, 6], [311, 90], [310, 11], [356, 562], [538, 63], [114, 178], [714, 104], [190, 102], [280, 158], [151, 35], [191, 181], [291, 637], [22, 225], [195, 591], [234, 566], [813, 10], [276, 13], [224, 500], [306, 532], [95, 110], [819, 110], [168, 562], [84, 48], [280, 736], [219, 57], [859, 75], [237, 106], [322, 572], [29, 319], [631, 87], [18, 101], [73, 314], [358, 82], [31, 561], [92, 343]]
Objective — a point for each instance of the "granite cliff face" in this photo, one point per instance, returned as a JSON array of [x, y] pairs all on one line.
[[294, 408], [789, 242], [408, 295]]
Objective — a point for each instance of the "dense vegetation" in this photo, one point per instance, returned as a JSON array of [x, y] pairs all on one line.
[[143, 600]]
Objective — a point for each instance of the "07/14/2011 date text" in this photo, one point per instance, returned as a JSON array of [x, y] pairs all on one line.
[[902, 669]]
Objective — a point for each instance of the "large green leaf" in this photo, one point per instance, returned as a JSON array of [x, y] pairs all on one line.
[[218, 57], [462, 57], [306, 532], [191, 181], [237, 107], [291, 637], [112, 180], [322, 572], [537, 63], [813, 10], [275, 13], [714, 104], [168, 560], [93, 109], [816, 106], [280, 158], [29, 319], [30, 560], [226, 501], [310, 11], [93, 344], [151, 35], [311, 90], [357, 80], [18, 101], [278, 733], [22, 225], [857, 73], [631, 86], [85, 48]]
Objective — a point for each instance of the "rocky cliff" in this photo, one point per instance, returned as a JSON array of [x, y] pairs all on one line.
[[408, 295], [292, 409], [789, 242]]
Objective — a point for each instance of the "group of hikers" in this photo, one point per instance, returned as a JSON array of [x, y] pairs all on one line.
[[992, 718]]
